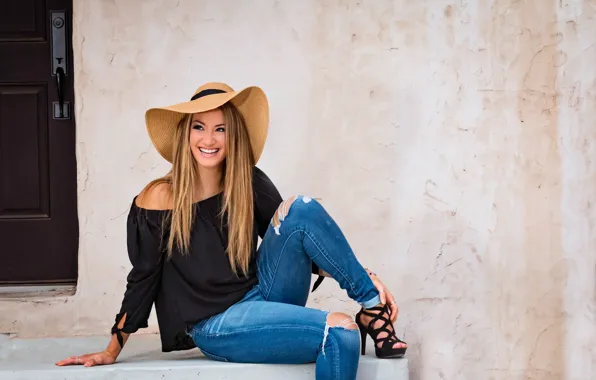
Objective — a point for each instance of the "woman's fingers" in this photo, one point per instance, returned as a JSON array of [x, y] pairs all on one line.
[[393, 307], [61, 362], [68, 361], [386, 298], [88, 360]]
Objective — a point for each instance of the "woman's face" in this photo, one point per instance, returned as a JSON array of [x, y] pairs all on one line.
[[208, 138]]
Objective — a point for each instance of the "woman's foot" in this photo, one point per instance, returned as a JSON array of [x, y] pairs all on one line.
[[376, 321]]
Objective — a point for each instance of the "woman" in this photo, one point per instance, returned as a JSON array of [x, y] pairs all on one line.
[[192, 241]]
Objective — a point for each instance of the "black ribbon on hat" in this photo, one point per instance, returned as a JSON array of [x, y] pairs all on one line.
[[210, 91]]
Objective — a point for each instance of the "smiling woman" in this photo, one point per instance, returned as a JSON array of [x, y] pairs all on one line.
[[192, 242]]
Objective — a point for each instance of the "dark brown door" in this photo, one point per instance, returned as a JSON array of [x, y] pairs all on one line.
[[38, 210]]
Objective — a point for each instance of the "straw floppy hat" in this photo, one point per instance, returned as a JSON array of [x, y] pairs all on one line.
[[251, 103]]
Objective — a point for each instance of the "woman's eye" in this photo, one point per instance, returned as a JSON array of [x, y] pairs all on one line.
[[198, 126], [220, 129]]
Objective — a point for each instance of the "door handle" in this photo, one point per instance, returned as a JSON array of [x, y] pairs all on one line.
[[60, 86], [59, 62]]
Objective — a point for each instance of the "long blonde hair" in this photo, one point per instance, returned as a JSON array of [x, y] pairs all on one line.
[[237, 190]]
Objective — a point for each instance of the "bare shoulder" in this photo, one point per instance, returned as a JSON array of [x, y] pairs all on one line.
[[155, 197]]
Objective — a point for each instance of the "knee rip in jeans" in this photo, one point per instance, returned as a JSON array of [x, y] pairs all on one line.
[[337, 320], [283, 210]]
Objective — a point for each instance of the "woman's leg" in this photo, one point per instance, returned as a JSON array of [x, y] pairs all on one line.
[[258, 331], [302, 232]]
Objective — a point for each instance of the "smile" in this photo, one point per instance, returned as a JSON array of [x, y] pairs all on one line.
[[208, 151]]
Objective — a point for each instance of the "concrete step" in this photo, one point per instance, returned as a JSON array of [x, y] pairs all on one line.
[[26, 359]]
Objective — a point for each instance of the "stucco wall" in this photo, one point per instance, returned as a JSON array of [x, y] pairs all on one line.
[[453, 141]]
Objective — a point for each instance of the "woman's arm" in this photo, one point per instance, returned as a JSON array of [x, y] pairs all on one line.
[[146, 256], [108, 356]]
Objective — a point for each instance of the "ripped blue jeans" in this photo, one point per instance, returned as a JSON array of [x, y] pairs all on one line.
[[271, 323]]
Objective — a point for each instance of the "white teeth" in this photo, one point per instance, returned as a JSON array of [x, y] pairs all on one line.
[[209, 150]]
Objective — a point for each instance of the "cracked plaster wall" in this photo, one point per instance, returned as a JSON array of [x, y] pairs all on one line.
[[452, 140]]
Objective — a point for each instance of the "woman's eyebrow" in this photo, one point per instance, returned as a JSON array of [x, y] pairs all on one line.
[[200, 122]]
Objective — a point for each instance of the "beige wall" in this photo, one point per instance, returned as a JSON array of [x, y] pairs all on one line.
[[453, 141]]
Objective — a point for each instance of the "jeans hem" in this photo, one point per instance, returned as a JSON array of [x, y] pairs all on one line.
[[372, 302]]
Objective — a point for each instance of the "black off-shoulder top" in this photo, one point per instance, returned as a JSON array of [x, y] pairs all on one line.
[[188, 288]]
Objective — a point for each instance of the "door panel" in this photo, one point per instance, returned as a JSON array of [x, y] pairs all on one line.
[[38, 208], [23, 20], [24, 147]]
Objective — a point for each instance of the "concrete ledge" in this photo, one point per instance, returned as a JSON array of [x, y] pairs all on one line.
[[36, 291], [25, 359]]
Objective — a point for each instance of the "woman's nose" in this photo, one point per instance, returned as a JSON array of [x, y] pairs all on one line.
[[209, 138]]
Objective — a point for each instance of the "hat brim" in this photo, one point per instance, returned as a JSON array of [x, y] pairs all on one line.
[[251, 102]]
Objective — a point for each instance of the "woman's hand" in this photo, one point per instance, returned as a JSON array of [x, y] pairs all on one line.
[[89, 360], [385, 294]]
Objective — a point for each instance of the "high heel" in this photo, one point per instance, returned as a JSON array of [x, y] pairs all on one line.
[[386, 350], [362, 338]]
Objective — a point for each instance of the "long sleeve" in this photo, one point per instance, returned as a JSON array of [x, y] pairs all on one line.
[[267, 200], [143, 280]]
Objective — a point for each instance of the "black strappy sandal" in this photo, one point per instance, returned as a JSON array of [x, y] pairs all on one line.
[[386, 351]]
